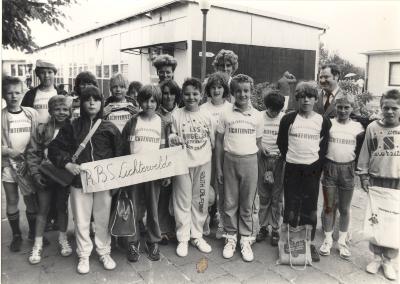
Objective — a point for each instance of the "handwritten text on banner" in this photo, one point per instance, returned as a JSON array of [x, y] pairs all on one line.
[[133, 169]]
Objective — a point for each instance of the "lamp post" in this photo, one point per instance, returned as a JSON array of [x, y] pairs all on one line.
[[205, 5]]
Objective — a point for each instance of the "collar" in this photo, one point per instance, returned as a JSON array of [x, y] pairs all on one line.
[[165, 111], [247, 112], [334, 92]]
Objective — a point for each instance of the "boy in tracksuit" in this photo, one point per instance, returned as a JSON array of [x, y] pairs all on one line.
[[303, 141], [194, 128], [239, 136]]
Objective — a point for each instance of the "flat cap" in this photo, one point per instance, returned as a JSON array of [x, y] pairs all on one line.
[[45, 64]]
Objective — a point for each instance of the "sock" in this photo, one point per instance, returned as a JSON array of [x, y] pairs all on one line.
[[328, 236], [342, 238], [38, 242], [13, 219], [62, 236], [31, 217]]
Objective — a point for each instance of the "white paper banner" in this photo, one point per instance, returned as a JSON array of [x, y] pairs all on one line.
[[133, 169]]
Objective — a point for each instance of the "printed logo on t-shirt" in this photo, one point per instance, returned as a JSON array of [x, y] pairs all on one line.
[[386, 144], [234, 129], [195, 134], [146, 135]]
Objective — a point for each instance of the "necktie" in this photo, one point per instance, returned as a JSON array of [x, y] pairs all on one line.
[[327, 102]]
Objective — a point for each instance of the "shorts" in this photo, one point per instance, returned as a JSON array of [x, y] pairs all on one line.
[[8, 175], [338, 175]]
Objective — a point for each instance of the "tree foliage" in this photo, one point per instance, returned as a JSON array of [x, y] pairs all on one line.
[[345, 66], [17, 15]]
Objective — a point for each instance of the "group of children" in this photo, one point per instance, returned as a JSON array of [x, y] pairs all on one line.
[[265, 167]]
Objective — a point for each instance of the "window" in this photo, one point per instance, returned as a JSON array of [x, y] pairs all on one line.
[[98, 71], [13, 70], [394, 73], [85, 67], [114, 69], [21, 70], [124, 70], [106, 71], [80, 69]]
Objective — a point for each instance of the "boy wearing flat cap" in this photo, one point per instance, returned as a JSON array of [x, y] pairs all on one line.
[[39, 96]]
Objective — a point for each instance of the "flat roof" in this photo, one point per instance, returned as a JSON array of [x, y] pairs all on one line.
[[382, 51], [153, 7]]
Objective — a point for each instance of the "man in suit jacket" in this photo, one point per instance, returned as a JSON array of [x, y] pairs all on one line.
[[328, 81]]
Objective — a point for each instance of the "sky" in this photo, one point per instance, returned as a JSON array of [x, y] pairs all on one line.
[[354, 26]]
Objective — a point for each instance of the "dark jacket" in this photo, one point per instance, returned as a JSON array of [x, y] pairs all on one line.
[[283, 134], [105, 143], [30, 95]]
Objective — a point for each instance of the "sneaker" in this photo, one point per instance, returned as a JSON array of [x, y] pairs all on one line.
[[344, 251], [388, 270], [202, 245], [133, 254], [65, 247], [325, 248], [274, 238], [373, 267], [153, 251], [220, 232], [36, 255], [182, 249], [230, 246], [108, 262], [245, 249], [314, 254], [16, 243], [262, 234], [83, 265]]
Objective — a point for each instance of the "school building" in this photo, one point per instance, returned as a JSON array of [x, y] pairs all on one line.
[[267, 44]]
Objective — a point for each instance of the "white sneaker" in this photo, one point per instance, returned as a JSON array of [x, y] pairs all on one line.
[[108, 262], [245, 248], [388, 269], [202, 245], [230, 246], [182, 249], [373, 267], [36, 255], [83, 265], [325, 248], [65, 247], [344, 251]]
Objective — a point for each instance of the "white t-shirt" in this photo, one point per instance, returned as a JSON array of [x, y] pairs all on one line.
[[120, 117], [147, 136], [304, 138], [270, 133], [241, 130], [19, 130], [41, 104], [342, 141], [198, 131], [216, 110]]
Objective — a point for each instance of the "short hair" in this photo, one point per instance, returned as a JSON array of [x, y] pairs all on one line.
[[217, 78], [82, 78], [118, 79], [135, 85], [173, 88], [333, 67], [8, 81], [274, 100], [148, 91], [60, 100], [306, 88], [392, 94], [192, 81], [91, 92], [345, 99], [223, 55], [241, 78], [165, 60]]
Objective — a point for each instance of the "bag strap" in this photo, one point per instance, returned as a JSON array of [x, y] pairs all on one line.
[[290, 251], [82, 146]]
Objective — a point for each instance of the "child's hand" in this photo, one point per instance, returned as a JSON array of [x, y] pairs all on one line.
[[74, 169], [220, 176], [107, 110], [365, 184], [40, 181], [265, 152], [176, 141], [132, 109], [165, 182]]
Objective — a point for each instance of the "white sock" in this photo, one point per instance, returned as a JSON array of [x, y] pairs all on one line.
[[62, 236], [342, 237], [328, 236], [38, 242]]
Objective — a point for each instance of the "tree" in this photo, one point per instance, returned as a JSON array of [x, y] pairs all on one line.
[[17, 14]]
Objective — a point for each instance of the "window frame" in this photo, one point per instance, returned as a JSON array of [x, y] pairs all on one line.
[[390, 73]]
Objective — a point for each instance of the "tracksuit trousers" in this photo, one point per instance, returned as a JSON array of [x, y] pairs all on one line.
[[82, 205], [190, 202], [240, 191]]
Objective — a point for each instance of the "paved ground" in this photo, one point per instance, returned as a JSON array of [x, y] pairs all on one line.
[[173, 269]]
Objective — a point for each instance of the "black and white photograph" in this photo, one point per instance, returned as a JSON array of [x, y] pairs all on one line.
[[200, 141]]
